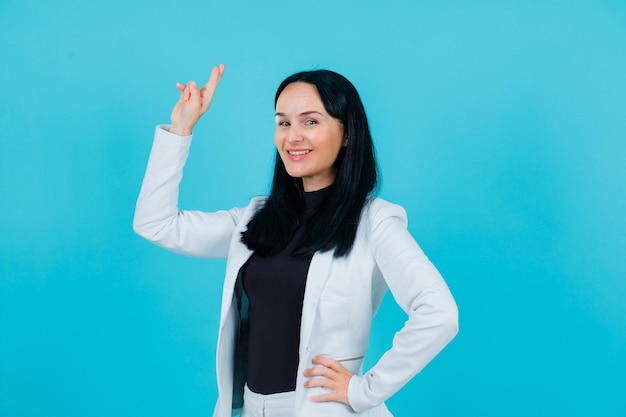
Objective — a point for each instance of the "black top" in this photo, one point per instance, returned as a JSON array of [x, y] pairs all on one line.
[[275, 289]]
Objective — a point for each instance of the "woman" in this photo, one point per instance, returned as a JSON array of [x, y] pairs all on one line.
[[308, 265]]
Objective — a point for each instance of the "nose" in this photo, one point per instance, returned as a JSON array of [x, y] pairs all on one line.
[[294, 134]]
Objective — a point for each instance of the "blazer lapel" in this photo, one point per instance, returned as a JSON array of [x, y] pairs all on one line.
[[236, 261], [318, 274]]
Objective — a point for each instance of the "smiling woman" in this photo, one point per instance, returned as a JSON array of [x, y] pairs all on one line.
[[308, 139], [308, 265]]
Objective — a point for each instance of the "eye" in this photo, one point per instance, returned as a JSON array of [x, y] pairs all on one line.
[[310, 122], [283, 123]]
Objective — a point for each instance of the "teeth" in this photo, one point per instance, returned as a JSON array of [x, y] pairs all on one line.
[[298, 153]]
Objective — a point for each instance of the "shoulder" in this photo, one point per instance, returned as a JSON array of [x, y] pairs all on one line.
[[242, 215], [382, 223], [257, 201], [378, 210], [253, 206]]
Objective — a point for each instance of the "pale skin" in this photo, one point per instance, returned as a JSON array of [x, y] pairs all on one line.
[[307, 138], [191, 105]]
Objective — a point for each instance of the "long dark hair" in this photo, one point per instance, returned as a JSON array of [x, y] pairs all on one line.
[[333, 224]]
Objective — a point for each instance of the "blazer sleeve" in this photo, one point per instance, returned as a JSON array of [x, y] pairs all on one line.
[[421, 292], [157, 217]]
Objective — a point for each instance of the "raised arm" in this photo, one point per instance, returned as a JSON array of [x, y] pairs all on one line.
[[157, 217]]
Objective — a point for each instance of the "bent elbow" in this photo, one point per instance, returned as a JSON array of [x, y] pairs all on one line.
[[450, 322], [141, 228], [453, 327], [137, 228]]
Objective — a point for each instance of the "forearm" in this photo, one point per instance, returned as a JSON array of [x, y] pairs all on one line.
[[432, 323], [158, 198]]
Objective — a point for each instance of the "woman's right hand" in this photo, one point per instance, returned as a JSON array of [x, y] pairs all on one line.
[[193, 102]]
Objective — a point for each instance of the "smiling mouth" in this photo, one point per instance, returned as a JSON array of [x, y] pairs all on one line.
[[298, 153]]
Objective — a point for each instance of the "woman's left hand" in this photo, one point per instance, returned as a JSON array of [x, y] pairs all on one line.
[[332, 375]]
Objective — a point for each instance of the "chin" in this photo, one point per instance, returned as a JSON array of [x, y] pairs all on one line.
[[295, 173]]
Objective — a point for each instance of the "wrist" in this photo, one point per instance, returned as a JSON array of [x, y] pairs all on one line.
[[180, 131]]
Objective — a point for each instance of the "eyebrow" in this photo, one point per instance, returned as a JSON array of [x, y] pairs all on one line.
[[305, 113]]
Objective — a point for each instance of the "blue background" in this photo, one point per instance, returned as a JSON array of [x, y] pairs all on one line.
[[499, 125]]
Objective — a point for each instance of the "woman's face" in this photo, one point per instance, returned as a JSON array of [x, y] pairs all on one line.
[[308, 139]]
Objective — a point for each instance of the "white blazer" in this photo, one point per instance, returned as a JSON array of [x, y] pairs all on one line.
[[341, 295]]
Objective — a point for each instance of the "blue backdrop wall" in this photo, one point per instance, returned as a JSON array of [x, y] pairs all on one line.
[[499, 125]]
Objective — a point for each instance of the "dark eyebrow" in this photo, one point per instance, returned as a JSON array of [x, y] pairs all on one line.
[[306, 113]]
